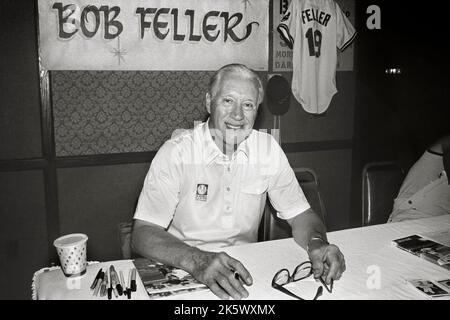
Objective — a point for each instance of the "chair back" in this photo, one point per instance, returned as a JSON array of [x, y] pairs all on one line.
[[276, 228], [381, 182]]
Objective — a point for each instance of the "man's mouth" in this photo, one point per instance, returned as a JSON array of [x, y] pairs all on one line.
[[234, 126]]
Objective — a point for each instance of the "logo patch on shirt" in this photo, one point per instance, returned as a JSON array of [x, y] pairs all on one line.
[[202, 192]]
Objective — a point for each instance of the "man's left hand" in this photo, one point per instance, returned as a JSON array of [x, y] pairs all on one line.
[[327, 261]]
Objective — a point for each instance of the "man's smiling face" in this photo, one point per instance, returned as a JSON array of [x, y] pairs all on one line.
[[233, 106]]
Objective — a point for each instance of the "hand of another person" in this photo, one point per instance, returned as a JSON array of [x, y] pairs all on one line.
[[327, 261], [218, 272]]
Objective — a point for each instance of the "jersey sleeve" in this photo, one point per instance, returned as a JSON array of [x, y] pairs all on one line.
[[345, 32], [160, 192], [285, 193], [287, 28]]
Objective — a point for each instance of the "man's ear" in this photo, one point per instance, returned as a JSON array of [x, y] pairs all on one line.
[[208, 102]]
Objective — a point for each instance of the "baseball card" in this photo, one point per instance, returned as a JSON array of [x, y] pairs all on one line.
[[429, 288], [445, 284]]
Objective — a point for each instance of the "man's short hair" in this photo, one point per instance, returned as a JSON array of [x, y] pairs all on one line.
[[239, 69]]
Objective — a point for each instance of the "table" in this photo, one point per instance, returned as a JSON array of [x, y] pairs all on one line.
[[51, 284], [368, 253], [376, 270]]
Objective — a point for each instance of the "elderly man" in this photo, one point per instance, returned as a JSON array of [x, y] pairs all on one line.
[[206, 189]]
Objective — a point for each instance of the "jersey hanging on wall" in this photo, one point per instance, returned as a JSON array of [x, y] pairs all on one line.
[[315, 29]]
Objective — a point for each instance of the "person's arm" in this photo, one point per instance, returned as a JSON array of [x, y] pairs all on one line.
[[440, 146], [216, 270], [309, 232]]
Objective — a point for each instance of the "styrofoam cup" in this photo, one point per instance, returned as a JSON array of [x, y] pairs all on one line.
[[72, 250]]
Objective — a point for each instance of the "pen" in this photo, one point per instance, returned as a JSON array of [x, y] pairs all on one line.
[[104, 284], [122, 281], [110, 287], [236, 275], [129, 285], [330, 289], [97, 278], [117, 287], [114, 280], [99, 283], [133, 280]]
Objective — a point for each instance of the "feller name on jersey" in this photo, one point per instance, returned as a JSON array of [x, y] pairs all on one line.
[[316, 14]]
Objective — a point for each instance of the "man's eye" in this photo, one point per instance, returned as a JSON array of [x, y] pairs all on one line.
[[228, 100], [248, 106]]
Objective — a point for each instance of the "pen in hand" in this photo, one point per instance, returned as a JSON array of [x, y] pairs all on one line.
[[237, 276]]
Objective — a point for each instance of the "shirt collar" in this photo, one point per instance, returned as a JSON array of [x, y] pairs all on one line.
[[210, 150]]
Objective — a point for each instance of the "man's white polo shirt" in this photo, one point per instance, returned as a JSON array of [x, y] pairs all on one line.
[[208, 200]]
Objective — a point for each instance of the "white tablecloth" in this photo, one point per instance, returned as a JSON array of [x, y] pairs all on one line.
[[375, 269]]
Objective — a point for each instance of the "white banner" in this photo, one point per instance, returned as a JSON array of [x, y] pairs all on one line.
[[153, 34]]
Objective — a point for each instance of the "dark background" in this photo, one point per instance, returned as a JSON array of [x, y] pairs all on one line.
[[48, 187]]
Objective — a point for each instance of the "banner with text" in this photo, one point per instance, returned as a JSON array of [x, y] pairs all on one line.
[[282, 55], [153, 34]]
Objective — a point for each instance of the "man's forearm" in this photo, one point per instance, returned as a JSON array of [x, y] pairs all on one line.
[[156, 243], [306, 226], [216, 270]]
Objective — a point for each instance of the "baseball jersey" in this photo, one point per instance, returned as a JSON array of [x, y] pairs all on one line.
[[315, 29]]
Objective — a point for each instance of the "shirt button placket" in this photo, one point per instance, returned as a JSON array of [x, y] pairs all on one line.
[[227, 218]]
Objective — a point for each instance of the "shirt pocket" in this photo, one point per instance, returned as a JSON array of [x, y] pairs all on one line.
[[257, 187], [252, 200]]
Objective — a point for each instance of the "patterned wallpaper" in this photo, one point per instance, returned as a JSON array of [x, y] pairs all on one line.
[[102, 112]]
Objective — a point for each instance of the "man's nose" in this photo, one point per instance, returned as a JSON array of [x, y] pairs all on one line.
[[238, 112]]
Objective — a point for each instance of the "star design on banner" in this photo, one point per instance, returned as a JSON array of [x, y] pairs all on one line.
[[118, 52], [246, 2]]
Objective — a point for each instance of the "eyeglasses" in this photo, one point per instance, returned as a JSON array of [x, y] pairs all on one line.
[[302, 271]]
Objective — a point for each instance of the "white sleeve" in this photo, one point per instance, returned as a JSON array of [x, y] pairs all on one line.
[[285, 193], [160, 193], [287, 26], [345, 32]]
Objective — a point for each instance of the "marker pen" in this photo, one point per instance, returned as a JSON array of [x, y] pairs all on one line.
[[129, 285], [109, 288], [133, 280], [122, 281], [97, 278], [114, 280], [99, 284], [104, 284], [117, 287]]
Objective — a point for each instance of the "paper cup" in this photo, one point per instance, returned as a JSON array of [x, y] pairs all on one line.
[[71, 250]]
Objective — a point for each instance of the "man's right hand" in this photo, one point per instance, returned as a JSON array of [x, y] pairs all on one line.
[[216, 270], [219, 272]]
